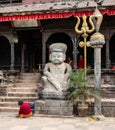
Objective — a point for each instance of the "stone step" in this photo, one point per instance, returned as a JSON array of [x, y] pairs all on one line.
[[16, 99], [24, 89], [108, 100], [107, 104], [108, 94], [34, 80], [8, 104], [31, 75], [108, 91], [26, 84], [24, 94], [108, 85], [27, 81], [108, 107], [103, 85], [9, 109], [103, 100]]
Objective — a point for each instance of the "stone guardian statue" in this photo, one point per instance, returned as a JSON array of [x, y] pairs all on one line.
[[56, 73]]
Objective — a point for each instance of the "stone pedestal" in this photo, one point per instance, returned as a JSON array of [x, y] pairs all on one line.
[[53, 107]]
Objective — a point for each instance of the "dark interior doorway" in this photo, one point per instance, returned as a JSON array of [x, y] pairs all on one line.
[[5, 53], [112, 50], [32, 41]]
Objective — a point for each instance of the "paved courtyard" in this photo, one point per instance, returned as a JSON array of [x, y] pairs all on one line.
[[11, 122]]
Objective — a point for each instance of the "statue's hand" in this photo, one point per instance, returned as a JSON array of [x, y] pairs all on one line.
[[48, 74], [66, 76]]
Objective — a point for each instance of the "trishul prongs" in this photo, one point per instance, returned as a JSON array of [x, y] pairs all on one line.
[[84, 28]]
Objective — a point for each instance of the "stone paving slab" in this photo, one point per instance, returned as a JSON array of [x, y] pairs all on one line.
[[11, 122]]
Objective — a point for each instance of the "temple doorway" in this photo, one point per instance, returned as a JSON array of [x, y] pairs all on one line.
[[30, 41], [112, 50], [5, 58]]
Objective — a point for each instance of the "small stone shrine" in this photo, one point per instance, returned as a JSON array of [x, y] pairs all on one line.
[[55, 82]]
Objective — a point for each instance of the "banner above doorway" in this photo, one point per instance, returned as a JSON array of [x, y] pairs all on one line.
[[52, 15]]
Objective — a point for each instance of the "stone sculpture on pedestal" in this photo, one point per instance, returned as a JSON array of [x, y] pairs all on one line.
[[56, 73], [55, 81]]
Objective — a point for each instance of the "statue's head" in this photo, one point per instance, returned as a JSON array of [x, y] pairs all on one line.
[[57, 53]]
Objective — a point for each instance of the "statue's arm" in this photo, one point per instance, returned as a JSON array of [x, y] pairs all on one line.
[[50, 78], [68, 71], [47, 71]]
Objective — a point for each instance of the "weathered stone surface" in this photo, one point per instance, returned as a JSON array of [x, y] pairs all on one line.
[[54, 107], [56, 73], [3, 91], [25, 88], [108, 109]]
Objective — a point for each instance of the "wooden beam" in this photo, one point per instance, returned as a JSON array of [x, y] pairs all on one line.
[[9, 1]]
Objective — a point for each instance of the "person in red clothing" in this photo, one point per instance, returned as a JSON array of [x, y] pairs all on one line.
[[70, 62], [80, 63], [25, 109]]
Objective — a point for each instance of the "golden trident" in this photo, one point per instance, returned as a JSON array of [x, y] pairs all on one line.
[[84, 30]]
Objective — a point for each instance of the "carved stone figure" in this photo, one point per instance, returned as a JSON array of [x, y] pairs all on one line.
[[56, 73]]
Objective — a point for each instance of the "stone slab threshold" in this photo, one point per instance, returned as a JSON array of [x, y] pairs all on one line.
[[52, 116]]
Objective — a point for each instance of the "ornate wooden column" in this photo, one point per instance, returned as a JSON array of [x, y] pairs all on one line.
[[107, 52], [23, 58], [75, 53], [43, 48], [12, 57]]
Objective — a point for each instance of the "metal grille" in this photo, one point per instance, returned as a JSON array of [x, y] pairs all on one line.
[[10, 1]]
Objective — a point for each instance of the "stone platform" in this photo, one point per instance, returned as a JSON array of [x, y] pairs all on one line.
[[53, 107]]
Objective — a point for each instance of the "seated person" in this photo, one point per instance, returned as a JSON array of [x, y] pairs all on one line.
[[113, 67], [80, 63], [25, 109]]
